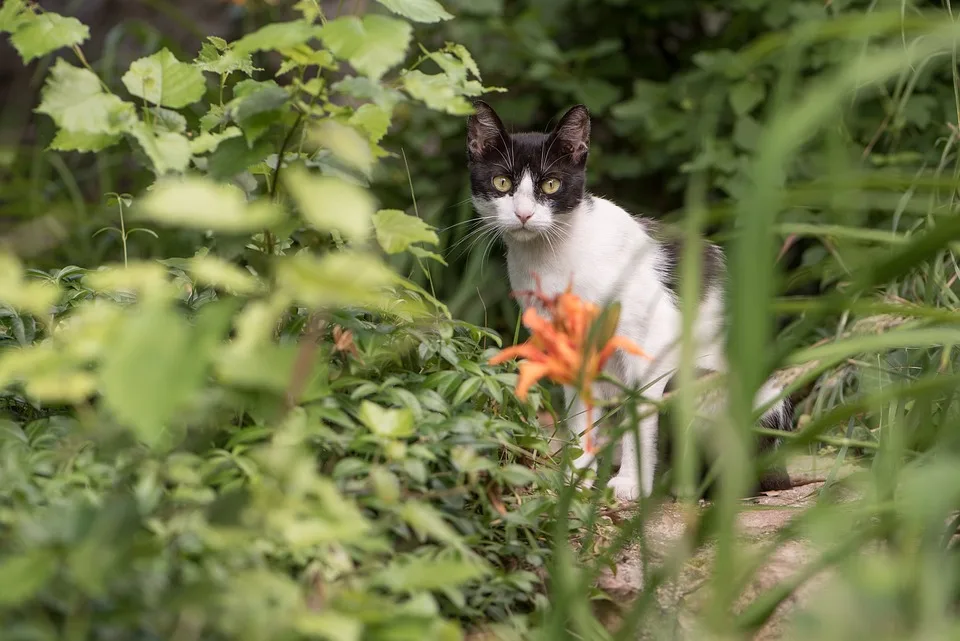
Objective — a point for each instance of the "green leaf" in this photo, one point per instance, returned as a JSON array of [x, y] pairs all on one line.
[[166, 150], [273, 37], [167, 120], [164, 80], [214, 271], [331, 204], [467, 390], [13, 13], [346, 144], [417, 10], [436, 91], [417, 574], [198, 203], [372, 44], [214, 59], [82, 141], [373, 119], [396, 231], [150, 372], [366, 89], [21, 577], [207, 142], [427, 521], [41, 34], [746, 95], [420, 252], [339, 279], [388, 423], [76, 101]]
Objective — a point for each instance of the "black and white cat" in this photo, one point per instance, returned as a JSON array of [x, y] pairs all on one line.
[[530, 188]]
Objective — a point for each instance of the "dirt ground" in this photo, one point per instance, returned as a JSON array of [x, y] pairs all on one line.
[[760, 522]]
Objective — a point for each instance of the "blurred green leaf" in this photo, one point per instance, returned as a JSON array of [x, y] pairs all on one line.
[[76, 101], [396, 231], [198, 203], [416, 574], [276, 36], [388, 423], [22, 576], [331, 204]]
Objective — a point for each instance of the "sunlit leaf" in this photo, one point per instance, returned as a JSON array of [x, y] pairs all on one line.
[[198, 203], [13, 13], [415, 574], [66, 140], [338, 279], [436, 91], [396, 231], [167, 151], [44, 33], [372, 44], [214, 271], [75, 100], [272, 37], [207, 142], [345, 144], [331, 204], [373, 119], [388, 423], [164, 80], [417, 10], [22, 576], [428, 522], [214, 59]]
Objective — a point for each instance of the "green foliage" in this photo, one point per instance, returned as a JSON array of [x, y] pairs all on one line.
[[277, 435]]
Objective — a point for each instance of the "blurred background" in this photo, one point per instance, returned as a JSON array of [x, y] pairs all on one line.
[[647, 71]]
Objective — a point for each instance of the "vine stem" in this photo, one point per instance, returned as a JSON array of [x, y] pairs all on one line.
[[275, 182]]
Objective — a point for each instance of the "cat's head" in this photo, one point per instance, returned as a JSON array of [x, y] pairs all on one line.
[[526, 184]]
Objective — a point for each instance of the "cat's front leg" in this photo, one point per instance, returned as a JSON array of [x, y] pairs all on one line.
[[632, 481], [577, 425]]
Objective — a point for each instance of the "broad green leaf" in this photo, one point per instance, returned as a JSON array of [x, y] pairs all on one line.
[[388, 423], [166, 120], [436, 91], [372, 44], [214, 59], [75, 100], [345, 144], [416, 574], [166, 150], [417, 10], [338, 279], [467, 390], [13, 13], [280, 35], [207, 142], [331, 204], [214, 271], [396, 231], [34, 296], [82, 141], [61, 387], [464, 54], [164, 80], [44, 33], [359, 87], [22, 576], [423, 253], [428, 522], [328, 625], [143, 379], [373, 119], [198, 203], [137, 276], [745, 95]]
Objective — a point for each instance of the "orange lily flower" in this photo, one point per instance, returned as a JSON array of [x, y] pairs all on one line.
[[570, 348]]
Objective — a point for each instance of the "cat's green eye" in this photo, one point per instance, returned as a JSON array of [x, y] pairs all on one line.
[[502, 183], [550, 186]]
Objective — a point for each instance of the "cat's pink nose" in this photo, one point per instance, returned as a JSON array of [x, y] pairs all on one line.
[[524, 216]]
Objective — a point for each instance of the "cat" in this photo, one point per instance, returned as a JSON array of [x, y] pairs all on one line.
[[530, 189]]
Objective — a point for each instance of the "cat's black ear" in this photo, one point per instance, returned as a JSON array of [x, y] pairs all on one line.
[[484, 130], [572, 133]]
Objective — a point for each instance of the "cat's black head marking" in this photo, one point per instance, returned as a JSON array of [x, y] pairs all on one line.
[[560, 155]]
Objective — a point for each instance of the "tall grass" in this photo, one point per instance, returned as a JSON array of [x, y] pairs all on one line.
[[874, 359]]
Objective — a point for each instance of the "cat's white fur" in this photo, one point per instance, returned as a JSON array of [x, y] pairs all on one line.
[[606, 254]]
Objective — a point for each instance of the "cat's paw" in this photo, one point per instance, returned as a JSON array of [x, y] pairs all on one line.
[[625, 488]]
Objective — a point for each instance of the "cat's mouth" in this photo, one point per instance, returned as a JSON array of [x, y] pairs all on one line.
[[523, 234]]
